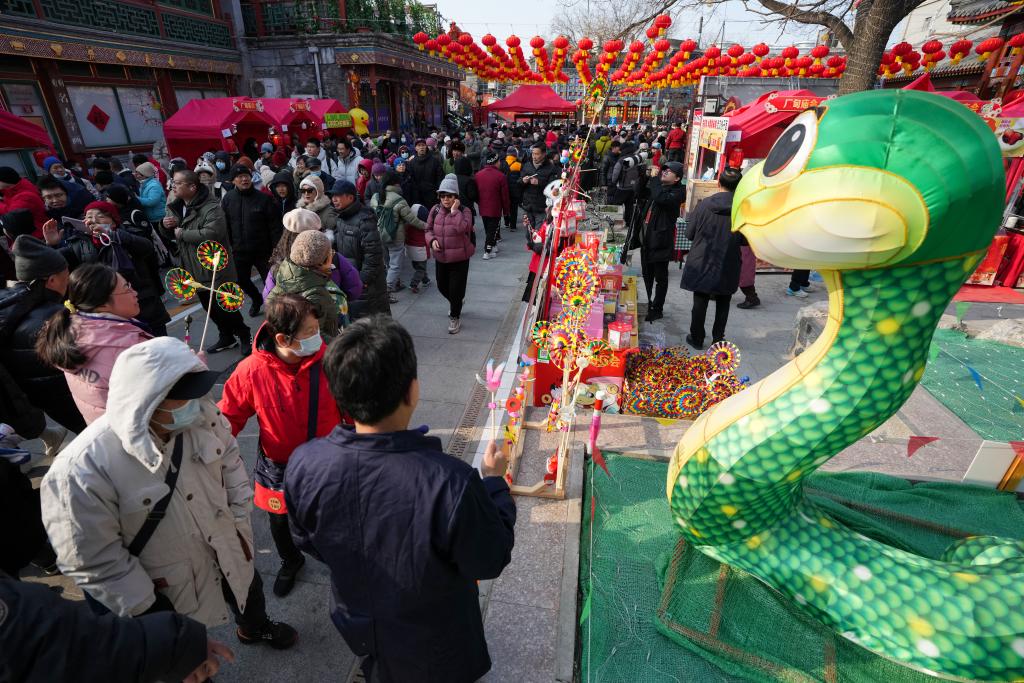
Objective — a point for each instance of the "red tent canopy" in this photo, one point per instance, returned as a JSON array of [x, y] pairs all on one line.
[[533, 99], [200, 125], [17, 133], [759, 128]]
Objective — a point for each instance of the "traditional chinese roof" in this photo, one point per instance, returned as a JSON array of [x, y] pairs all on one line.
[[979, 11], [944, 69]]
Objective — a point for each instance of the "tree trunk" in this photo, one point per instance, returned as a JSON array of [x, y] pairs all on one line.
[[870, 34]]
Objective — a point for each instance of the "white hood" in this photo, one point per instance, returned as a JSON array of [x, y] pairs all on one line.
[[141, 378]]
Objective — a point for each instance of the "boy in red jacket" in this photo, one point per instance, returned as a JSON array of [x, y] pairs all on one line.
[[492, 186], [283, 384]]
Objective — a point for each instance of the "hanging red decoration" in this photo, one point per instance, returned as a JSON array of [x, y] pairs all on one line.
[[987, 47], [959, 49]]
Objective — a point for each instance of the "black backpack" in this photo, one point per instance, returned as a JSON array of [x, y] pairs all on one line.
[[628, 177], [15, 303]]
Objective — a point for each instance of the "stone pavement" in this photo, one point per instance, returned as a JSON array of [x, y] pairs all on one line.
[[530, 611]]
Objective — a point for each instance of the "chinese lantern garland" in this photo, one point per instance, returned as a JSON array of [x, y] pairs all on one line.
[[653, 63]]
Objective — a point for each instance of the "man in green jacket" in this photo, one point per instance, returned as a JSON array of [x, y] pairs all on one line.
[[194, 217]]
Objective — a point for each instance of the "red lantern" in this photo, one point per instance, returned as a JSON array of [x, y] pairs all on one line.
[[987, 47], [652, 32], [663, 21], [586, 44], [686, 47], [431, 46], [561, 42], [512, 41], [760, 51], [931, 47], [735, 51], [958, 49], [662, 46], [536, 42], [1016, 43], [900, 49], [723, 61], [444, 40], [789, 53], [420, 39], [712, 52], [636, 47], [834, 61], [489, 40], [819, 52]]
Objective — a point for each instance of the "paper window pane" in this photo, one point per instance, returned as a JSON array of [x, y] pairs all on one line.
[[141, 109], [98, 116], [185, 96]]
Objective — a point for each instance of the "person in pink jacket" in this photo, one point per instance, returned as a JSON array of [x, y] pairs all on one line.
[[452, 239], [86, 337]]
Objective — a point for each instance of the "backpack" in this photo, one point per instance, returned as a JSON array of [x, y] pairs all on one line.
[[15, 304], [628, 178], [387, 223]]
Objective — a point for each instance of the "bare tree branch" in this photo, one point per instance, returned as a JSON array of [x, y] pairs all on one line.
[[800, 15]]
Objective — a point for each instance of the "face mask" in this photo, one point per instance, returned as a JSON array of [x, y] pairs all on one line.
[[183, 416], [221, 165], [60, 175], [309, 345]]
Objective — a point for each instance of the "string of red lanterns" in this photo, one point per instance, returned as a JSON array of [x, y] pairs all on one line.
[[644, 66]]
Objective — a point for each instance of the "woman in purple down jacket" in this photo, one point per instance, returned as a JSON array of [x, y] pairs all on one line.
[[451, 237]]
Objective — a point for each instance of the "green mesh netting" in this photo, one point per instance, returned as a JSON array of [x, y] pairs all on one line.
[[712, 623], [994, 411]]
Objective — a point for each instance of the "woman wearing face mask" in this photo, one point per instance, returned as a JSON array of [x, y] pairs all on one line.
[[86, 337], [283, 384], [307, 271]]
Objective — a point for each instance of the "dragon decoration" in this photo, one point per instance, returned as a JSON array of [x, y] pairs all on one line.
[[661, 63], [858, 189]]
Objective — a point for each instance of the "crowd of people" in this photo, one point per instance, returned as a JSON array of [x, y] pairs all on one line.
[[147, 509]]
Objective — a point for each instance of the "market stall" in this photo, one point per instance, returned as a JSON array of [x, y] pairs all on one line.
[[302, 117], [532, 100], [222, 123]]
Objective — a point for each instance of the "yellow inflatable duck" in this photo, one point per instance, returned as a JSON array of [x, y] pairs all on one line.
[[359, 120]]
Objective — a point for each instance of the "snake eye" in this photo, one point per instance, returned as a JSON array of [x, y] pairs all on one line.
[[789, 155]]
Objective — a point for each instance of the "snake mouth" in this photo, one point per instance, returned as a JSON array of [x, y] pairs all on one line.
[[834, 218]]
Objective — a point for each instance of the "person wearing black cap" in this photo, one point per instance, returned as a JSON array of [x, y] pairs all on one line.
[[492, 188], [655, 234], [426, 172], [358, 239], [160, 486], [42, 275], [254, 227]]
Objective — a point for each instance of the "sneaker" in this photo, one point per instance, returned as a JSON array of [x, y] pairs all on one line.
[[498, 238], [397, 287], [800, 294], [276, 634], [697, 345], [222, 345], [255, 309], [285, 580], [494, 250], [809, 288], [454, 325], [749, 303], [426, 282], [392, 299], [487, 256]]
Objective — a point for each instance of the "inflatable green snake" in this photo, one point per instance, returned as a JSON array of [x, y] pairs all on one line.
[[893, 196]]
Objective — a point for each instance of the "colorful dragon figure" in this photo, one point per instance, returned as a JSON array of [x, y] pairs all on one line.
[[893, 196]]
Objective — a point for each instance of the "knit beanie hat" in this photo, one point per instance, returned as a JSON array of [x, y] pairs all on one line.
[[267, 174], [421, 212], [279, 158], [492, 158], [267, 147], [146, 170], [399, 161], [310, 249], [246, 161], [204, 167], [378, 168], [431, 143], [50, 161], [17, 222], [105, 207], [449, 184], [33, 260], [301, 220]]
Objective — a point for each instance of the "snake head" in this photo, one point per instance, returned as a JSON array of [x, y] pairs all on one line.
[[873, 180]]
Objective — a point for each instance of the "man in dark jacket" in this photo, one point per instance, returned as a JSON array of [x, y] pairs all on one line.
[[426, 172], [655, 234], [358, 240], [192, 218], [712, 269], [536, 173], [405, 529], [254, 227], [42, 275], [44, 637], [607, 164], [512, 168]]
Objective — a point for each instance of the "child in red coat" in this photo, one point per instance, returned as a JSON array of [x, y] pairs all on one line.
[[283, 384]]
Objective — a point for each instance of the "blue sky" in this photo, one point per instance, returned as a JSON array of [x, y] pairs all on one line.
[[527, 18]]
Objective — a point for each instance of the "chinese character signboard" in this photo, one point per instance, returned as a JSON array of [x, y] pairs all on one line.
[[338, 120], [713, 132]]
